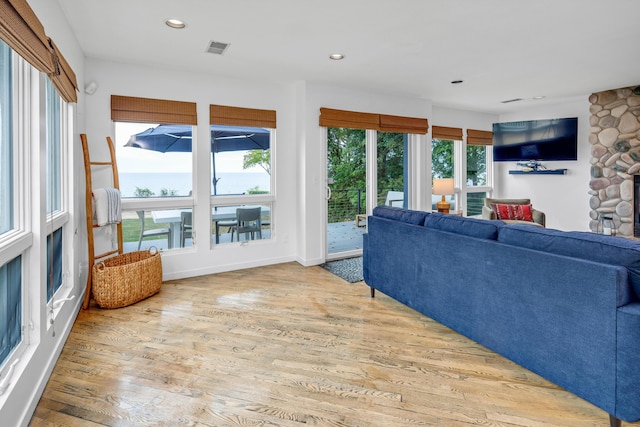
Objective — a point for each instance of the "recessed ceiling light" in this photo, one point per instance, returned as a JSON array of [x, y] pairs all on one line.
[[456, 82], [539, 97], [336, 56], [175, 23]]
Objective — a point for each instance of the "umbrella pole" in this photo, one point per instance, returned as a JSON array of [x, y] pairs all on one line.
[[215, 179]]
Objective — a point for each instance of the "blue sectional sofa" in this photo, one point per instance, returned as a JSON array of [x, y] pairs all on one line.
[[565, 305]]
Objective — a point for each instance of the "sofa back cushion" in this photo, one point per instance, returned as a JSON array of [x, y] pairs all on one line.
[[578, 244], [473, 227], [489, 201], [404, 215]]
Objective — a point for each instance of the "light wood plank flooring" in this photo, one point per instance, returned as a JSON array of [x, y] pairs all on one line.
[[286, 345]]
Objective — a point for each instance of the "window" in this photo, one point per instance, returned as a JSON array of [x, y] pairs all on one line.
[[10, 307], [242, 141], [476, 178], [443, 166], [14, 240], [391, 173], [478, 174], [240, 160], [154, 160], [57, 215], [54, 263], [346, 158], [6, 140], [476, 165], [157, 228], [468, 162], [241, 223], [54, 148]]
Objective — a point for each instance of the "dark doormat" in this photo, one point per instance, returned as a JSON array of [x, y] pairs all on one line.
[[349, 269]]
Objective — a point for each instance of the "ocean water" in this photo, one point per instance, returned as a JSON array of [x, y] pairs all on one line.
[[229, 183]]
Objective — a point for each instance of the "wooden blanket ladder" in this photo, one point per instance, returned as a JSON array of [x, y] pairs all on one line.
[[88, 165]]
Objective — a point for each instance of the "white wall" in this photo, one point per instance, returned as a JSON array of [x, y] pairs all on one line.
[[462, 119], [563, 198]]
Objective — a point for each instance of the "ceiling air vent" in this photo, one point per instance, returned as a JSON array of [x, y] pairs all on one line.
[[217, 48], [511, 100]]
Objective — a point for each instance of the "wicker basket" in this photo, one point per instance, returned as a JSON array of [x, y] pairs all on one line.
[[125, 279]]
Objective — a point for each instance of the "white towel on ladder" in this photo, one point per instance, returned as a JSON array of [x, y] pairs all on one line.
[[108, 206]]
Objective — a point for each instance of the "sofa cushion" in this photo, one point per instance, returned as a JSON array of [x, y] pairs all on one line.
[[513, 212], [404, 215], [578, 244], [479, 228]]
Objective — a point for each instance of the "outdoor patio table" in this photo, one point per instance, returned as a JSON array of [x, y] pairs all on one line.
[[218, 213]]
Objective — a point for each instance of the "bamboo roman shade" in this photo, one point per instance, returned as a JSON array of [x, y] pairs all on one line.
[[381, 122], [443, 132], [21, 29], [403, 124], [479, 137], [64, 79], [238, 116], [148, 110], [23, 32], [347, 119]]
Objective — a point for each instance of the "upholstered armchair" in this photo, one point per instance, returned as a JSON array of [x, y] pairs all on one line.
[[488, 212]]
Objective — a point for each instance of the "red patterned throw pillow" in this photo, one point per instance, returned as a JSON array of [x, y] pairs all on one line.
[[513, 212]]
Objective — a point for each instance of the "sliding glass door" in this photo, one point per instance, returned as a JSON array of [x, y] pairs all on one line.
[[351, 153], [346, 191]]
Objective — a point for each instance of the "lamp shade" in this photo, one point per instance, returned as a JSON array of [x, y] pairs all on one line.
[[443, 186]]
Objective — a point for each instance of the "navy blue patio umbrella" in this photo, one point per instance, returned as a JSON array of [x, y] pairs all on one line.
[[177, 138]]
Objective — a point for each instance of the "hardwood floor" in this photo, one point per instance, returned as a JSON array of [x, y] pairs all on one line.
[[286, 345]]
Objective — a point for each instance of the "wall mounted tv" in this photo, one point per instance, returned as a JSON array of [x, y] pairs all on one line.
[[542, 140]]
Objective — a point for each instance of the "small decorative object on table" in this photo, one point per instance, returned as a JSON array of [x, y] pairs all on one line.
[[444, 187], [607, 225]]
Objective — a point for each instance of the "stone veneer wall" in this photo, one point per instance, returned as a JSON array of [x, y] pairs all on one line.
[[615, 155]]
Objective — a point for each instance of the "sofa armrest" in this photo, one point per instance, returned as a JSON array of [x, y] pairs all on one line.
[[539, 217], [488, 213]]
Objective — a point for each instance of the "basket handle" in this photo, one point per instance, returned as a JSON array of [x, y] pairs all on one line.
[[155, 250], [100, 265]]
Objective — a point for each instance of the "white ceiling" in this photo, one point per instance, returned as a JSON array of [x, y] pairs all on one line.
[[502, 49]]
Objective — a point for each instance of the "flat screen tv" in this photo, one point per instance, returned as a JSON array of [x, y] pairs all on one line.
[[542, 140]]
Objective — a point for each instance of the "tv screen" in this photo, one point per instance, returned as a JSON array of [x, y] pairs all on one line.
[[543, 140]]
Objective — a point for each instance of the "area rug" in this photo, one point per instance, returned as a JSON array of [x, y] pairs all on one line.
[[349, 269]]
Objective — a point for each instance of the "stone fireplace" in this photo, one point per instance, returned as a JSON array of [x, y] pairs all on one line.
[[615, 157]]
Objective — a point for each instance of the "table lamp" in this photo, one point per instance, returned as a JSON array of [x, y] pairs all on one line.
[[444, 187]]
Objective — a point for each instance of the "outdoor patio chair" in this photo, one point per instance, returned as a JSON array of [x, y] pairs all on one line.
[[186, 227], [395, 198], [249, 221], [154, 232], [230, 224]]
